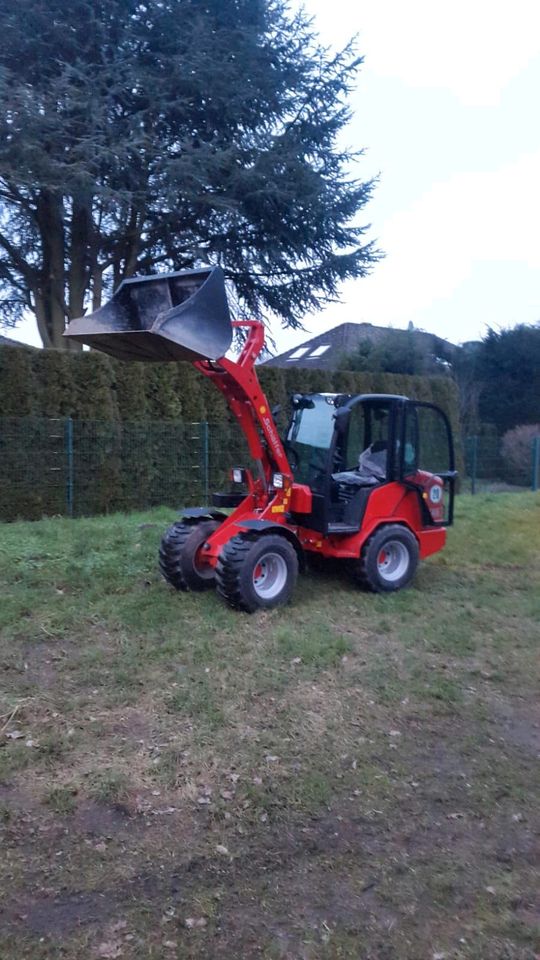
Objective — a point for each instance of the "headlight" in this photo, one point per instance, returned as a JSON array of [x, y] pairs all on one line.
[[238, 475], [281, 481]]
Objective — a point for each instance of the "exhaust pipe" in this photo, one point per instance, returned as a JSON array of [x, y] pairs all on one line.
[[172, 316]]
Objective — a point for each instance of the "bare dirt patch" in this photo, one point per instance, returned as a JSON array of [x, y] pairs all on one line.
[[519, 725]]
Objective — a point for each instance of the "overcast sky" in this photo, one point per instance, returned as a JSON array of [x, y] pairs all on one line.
[[447, 109]]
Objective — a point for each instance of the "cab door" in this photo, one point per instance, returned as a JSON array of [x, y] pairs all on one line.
[[427, 460]]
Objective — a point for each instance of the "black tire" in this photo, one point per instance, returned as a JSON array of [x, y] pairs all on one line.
[[388, 560], [178, 551], [254, 573]]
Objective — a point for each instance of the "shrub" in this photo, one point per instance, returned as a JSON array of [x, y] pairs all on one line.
[[517, 451]]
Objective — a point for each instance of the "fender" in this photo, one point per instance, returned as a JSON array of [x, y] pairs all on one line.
[[202, 513], [267, 526]]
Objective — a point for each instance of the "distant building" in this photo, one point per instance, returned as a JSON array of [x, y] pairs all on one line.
[[328, 350]]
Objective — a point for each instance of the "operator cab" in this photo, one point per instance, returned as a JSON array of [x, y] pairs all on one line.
[[344, 446]]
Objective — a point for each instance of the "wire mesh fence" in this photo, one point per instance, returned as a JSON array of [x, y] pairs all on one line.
[[86, 467], [490, 467]]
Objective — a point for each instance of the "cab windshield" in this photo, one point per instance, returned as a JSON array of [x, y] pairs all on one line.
[[309, 438]]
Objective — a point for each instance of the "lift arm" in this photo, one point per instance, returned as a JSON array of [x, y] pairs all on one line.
[[238, 382]]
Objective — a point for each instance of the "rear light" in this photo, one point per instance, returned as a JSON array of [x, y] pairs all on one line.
[[238, 475]]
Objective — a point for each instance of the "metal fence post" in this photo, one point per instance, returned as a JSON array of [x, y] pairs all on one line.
[[535, 462], [206, 461], [68, 439], [473, 461]]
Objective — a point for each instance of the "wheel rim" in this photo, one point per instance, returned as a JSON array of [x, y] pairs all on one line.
[[270, 576], [393, 560]]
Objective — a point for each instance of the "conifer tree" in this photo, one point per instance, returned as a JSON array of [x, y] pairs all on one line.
[[145, 135]]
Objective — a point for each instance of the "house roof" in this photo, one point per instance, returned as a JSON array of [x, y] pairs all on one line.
[[327, 350]]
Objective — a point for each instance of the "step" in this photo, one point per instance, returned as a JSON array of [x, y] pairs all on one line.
[[341, 528]]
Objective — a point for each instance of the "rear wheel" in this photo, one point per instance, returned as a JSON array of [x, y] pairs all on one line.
[[181, 559], [388, 560], [257, 573]]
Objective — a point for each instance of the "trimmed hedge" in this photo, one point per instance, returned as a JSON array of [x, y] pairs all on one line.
[[136, 427], [92, 386]]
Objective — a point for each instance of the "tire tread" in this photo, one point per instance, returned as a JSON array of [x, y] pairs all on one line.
[[229, 568], [361, 570], [171, 552]]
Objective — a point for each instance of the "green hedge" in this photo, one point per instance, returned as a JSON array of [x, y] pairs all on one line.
[[137, 433], [91, 386]]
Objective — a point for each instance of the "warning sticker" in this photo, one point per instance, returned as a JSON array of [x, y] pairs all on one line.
[[435, 494]]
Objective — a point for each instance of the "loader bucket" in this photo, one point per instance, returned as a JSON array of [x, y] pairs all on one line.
[[172, 316]]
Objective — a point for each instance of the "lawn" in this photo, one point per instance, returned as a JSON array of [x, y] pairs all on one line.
[[352, 776]]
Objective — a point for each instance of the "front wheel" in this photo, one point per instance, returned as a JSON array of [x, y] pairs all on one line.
[[181, 557], [388, 560], [257, 573]]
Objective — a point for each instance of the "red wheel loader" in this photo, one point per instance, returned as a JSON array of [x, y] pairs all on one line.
[[367, 479]]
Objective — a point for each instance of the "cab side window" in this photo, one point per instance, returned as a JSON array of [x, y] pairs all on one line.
[[368, 439], [356, 440], [434, 453], [410, 449], [427, 442]]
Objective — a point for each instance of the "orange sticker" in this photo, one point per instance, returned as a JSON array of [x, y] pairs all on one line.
[[262, 409]]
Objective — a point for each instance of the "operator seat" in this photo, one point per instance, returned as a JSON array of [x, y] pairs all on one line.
[[350, 489], [373, 461], [371, 468]]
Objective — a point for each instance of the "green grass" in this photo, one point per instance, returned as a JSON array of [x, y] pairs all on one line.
[[196, 698], [367, 763], [317, 646], [62, 800], [109, 785]]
